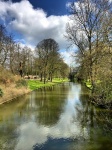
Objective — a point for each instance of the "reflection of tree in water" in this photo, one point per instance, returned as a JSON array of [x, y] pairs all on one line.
[[45, 107], [50, 104], [98, 123], [95, 117], [10, 119], [104, 118], [8, 136]]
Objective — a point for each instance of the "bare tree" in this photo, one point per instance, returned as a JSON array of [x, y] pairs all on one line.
[[47, 50], [85, 20], [48, 58], [4, 42]]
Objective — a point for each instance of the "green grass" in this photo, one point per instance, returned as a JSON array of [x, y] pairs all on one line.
[[36, 84], [89, 85]]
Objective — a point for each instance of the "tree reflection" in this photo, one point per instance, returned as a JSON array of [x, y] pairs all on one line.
[[9, 122], [96, 120], [59, 112], [50, 104]]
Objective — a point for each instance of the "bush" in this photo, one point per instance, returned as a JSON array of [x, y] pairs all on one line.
[[6, 75], [21, 83], [1, 92], [104, 90]]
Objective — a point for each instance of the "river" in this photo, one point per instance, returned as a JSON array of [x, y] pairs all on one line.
[[55, 118]]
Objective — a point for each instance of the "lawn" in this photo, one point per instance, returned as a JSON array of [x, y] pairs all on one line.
[[36, 84]]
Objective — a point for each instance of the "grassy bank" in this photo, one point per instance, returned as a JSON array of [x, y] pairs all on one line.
[[101, 95], [36, 84], [12, 90], [18, 86], [11, 86]]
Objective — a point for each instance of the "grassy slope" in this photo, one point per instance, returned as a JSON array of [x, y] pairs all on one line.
[[9, 85]]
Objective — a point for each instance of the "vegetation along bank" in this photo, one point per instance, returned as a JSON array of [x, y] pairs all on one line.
[[92, 34], [13, 86]]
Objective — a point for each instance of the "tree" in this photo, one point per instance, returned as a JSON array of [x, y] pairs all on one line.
[[46, 51], [53, 59], [87, 17], [4, 41]]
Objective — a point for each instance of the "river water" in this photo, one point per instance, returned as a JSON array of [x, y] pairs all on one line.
[[55, 118]]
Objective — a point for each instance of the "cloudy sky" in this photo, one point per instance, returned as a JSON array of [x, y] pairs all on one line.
[[31, 21]]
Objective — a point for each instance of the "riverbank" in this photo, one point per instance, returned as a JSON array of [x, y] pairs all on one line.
[[13, 90], [98, 102], [98, 99]]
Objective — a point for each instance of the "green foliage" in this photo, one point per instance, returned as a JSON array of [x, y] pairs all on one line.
[[104, 90], [88, 84], [1, 92], [21, 83]]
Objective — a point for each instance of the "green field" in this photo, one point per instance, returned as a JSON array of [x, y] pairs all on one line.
[[36, 84]]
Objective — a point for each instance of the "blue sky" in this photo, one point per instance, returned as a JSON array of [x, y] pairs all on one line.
[[52, 7], [31, 21]]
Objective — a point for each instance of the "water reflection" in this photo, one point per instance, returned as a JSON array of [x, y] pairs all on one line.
[[56, 118]]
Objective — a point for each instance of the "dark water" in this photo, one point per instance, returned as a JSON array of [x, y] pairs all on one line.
[[57, 118]]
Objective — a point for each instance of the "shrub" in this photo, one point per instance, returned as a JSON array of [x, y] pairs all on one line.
[[1, 92], [104, 90], [21, 83], [6, 75]]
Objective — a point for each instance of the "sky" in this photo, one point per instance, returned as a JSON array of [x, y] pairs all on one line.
[[31, 21]]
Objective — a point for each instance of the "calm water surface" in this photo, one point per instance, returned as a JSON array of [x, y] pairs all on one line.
[[57, 118]]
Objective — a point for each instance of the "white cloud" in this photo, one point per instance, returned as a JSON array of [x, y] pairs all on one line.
[[33, 24], [68, 4]]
